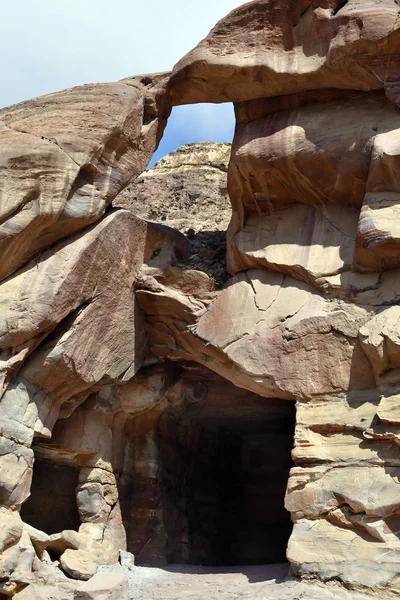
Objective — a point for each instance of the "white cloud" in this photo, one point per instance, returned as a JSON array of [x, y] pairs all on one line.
[[49, 45]]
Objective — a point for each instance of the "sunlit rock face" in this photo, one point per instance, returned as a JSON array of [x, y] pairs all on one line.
[[187, 190], [70, 323], [132, 380], [310, 312], [299, 177], [268, 49], [65, 156]]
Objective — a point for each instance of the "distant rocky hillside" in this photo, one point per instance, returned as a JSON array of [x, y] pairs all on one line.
[[187, 190]]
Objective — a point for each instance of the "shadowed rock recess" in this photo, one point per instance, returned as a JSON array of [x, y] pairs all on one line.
[[158, 398]]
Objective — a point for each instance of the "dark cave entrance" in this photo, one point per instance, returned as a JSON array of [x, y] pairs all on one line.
[[225, 461], [52, 507]]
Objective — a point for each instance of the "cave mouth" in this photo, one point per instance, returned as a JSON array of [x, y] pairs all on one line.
[[225, 459], [51, 506]]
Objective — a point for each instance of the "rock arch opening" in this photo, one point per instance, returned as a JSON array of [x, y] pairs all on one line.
[[185, 187]]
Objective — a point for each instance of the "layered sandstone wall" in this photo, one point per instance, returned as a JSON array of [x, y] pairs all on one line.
[[95, 305]]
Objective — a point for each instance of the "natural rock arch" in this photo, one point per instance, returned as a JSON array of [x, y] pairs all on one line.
[[85, 310]]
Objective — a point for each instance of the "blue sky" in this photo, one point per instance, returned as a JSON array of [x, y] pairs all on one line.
[[198, 123], [49, 45]]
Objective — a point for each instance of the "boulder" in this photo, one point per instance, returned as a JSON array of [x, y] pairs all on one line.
[[59, 542], [65, 156], [79, 564], [103, 586]]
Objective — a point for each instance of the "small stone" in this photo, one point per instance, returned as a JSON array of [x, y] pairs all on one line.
[[126, 559], [79, 564]]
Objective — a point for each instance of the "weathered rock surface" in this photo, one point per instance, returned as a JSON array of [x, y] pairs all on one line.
[[74, 300], [277, 242], [253, 329], [273, 162], [377, 234], [266, 49], [65, 157], [79, 564], [103, 586], [63, 591], [185, 189], [155, 413], [52, 309], [229, 583]]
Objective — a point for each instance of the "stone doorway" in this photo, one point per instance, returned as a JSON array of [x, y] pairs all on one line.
[[225, 457], [51, 506]]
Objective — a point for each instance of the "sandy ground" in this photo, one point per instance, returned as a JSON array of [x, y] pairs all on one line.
[[186, 582]]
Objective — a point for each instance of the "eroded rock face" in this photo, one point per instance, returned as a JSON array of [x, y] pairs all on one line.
[[273, 177], [64, 329], [185, 189], [310, 313], [65, 156], [266, 49], [76, 308], [129, 378]]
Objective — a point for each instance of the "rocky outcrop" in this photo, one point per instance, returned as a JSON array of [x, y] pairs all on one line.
[[272, 178], [187, 190], [155, 412], [65, 156], [261, 314], [262, 50], [64, 332]]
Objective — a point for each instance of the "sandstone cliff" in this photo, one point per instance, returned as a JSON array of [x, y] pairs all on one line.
[[171, 415]]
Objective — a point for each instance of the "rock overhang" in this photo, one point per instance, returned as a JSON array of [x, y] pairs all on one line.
[[264, 50]]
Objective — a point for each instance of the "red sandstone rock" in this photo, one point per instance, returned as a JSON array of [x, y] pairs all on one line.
[[310, 314], [65, 156], [266, 49]]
